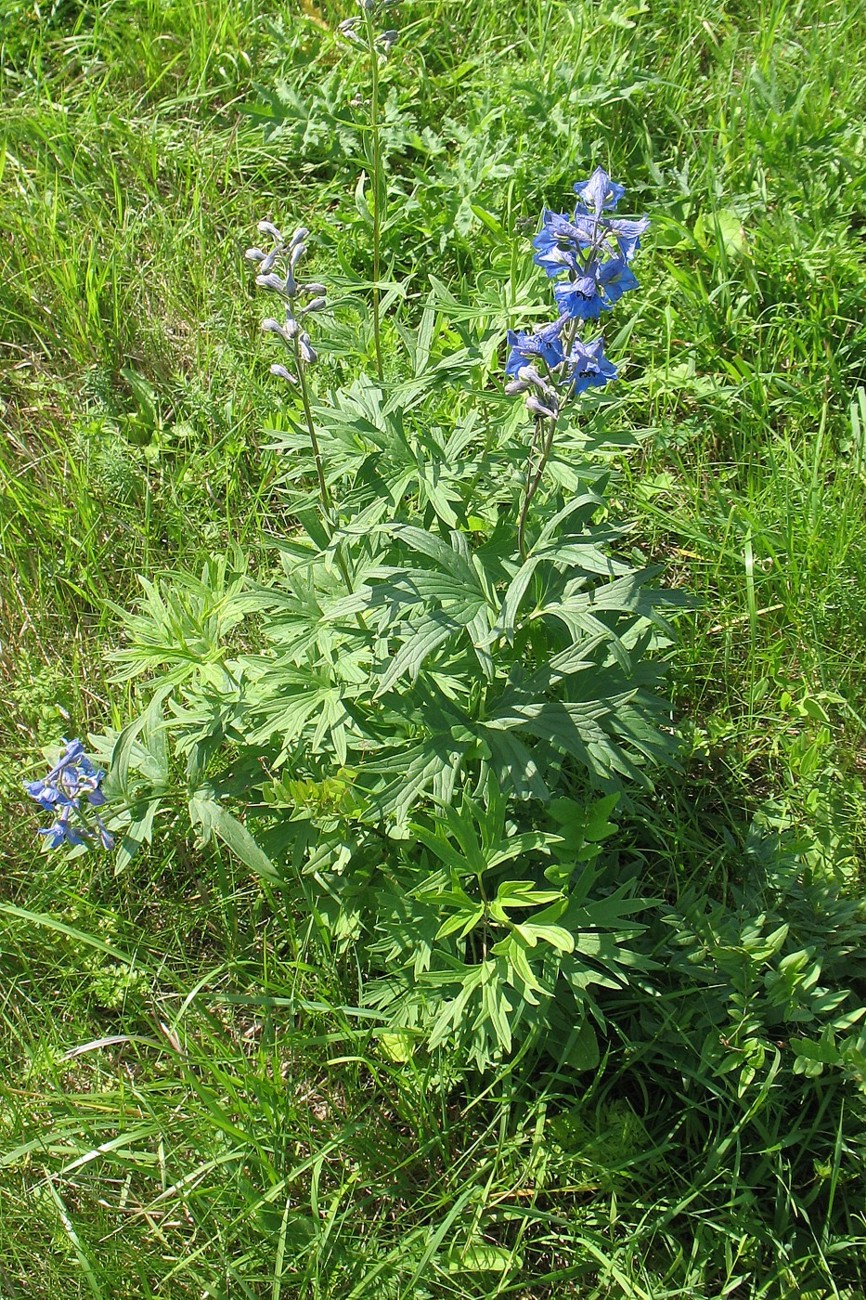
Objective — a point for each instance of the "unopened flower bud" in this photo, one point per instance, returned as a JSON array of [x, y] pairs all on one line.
[[293, 328], [313, 289], [268, 263], [282, 373], [273, 282], [268, 228], [530, 376], [318, 304], [307, 353], [255, 255], [297, 253], [516, 386], [271, 326], [299, 236], [537, 408]]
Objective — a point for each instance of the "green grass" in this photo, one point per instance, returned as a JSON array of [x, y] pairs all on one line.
[[245, 1133]]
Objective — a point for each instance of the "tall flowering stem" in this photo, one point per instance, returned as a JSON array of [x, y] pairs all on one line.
[[299, 301], [324, 491], [588, 254], [534, 472], [380, 190]]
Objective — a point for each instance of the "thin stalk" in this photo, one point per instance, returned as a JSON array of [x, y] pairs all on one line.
[[380, 197], [533, 481], [327, 500], [532, 484], [327, 503]]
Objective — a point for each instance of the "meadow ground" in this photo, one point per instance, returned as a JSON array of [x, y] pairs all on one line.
[[240, 1132]]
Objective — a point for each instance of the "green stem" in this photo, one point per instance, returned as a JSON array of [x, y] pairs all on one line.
[[532, 483], [314, 441], [379, 191], [327, 500]]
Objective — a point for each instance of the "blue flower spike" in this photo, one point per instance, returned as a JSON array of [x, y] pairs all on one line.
[[588, 254], [68, 792]]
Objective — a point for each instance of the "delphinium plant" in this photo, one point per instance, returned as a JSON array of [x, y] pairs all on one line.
[[416, 727], [452, 684]]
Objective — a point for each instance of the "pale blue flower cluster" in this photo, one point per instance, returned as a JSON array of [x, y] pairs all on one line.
[[588, 253], [298, 299], [72, 786]]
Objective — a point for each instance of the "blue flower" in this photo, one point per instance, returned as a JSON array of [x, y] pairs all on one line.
[[580, 298], [73, 779], [564, 243], [627, 233], [543, 344], [616, 278], [588, 367], [558, 243], [599, 192], [62, 833]]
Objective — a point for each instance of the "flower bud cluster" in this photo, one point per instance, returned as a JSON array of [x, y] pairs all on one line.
[[70, 791], [588, 253], [357, 29], [277, 272], [541, 396]]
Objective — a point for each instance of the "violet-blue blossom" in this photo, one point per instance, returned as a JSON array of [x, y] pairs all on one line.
[[68, 792], [559, 243], [581, 296], [568, 243], [543, 344], [599, 192], [587, 366], [615, 278]]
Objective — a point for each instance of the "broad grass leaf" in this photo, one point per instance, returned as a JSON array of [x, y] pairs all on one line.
[[480, 1257], [213, 819], [721, 228]]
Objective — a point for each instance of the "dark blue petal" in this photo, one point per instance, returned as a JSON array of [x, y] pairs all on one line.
[[628, 233], [544, 344], [106, 838], [588, 367]]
